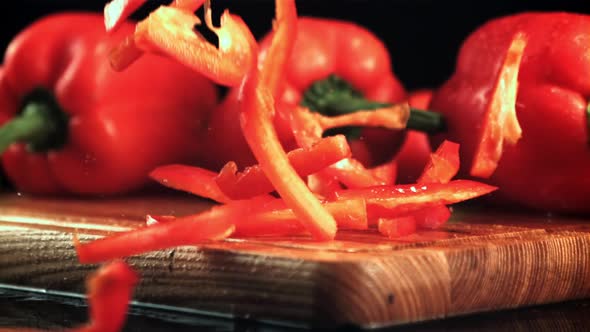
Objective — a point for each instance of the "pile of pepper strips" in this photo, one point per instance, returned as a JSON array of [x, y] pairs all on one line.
[[340, 192], [326, 183]]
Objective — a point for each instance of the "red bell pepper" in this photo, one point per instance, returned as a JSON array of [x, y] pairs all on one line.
[[415, 150], [547, 169], [336, 68], [73, 125]]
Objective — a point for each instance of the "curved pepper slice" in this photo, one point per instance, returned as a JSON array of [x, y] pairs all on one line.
[[257, 108], [225, 65], [500, 122]]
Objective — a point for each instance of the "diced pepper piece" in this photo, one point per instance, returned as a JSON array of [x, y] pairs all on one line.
[[396, 227], [443, 164], [432, 217]]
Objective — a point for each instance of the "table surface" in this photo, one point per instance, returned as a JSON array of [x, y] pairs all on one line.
[[31, 309]]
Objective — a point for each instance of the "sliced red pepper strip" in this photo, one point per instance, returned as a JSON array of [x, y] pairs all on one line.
[[109, 291], [393, 201], [396, 227], [195, 180], [273, 160], [272, 220], [500, 122], [257, 108], [211, 225], [252, 181], [285, 30], [272, 217], [226, 65], [443, 164]]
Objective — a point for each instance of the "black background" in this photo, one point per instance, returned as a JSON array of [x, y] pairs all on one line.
[[423, 35]]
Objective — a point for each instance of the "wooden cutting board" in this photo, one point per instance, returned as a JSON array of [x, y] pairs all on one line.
[[480, 261]]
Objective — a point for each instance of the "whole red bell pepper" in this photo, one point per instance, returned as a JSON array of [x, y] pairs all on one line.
[[547, 169], [336, 67], [71, 124]]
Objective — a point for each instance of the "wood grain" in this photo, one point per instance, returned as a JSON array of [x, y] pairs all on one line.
[[478, 262]]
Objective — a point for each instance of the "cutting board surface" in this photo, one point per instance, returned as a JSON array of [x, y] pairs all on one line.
[[480, 261]]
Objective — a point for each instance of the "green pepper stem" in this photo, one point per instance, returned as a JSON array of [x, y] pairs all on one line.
[[40, 124], [334, 96]]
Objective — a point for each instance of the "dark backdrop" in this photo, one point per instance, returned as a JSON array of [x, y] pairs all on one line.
[[422, 35]]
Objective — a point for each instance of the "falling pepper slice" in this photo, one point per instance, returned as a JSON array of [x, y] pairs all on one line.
[[226, 64], [109, 292], [257, 109]]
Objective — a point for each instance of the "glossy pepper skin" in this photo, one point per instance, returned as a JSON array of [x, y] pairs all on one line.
[[118, 125], [548, 168], [415, 151], [323, 47]]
